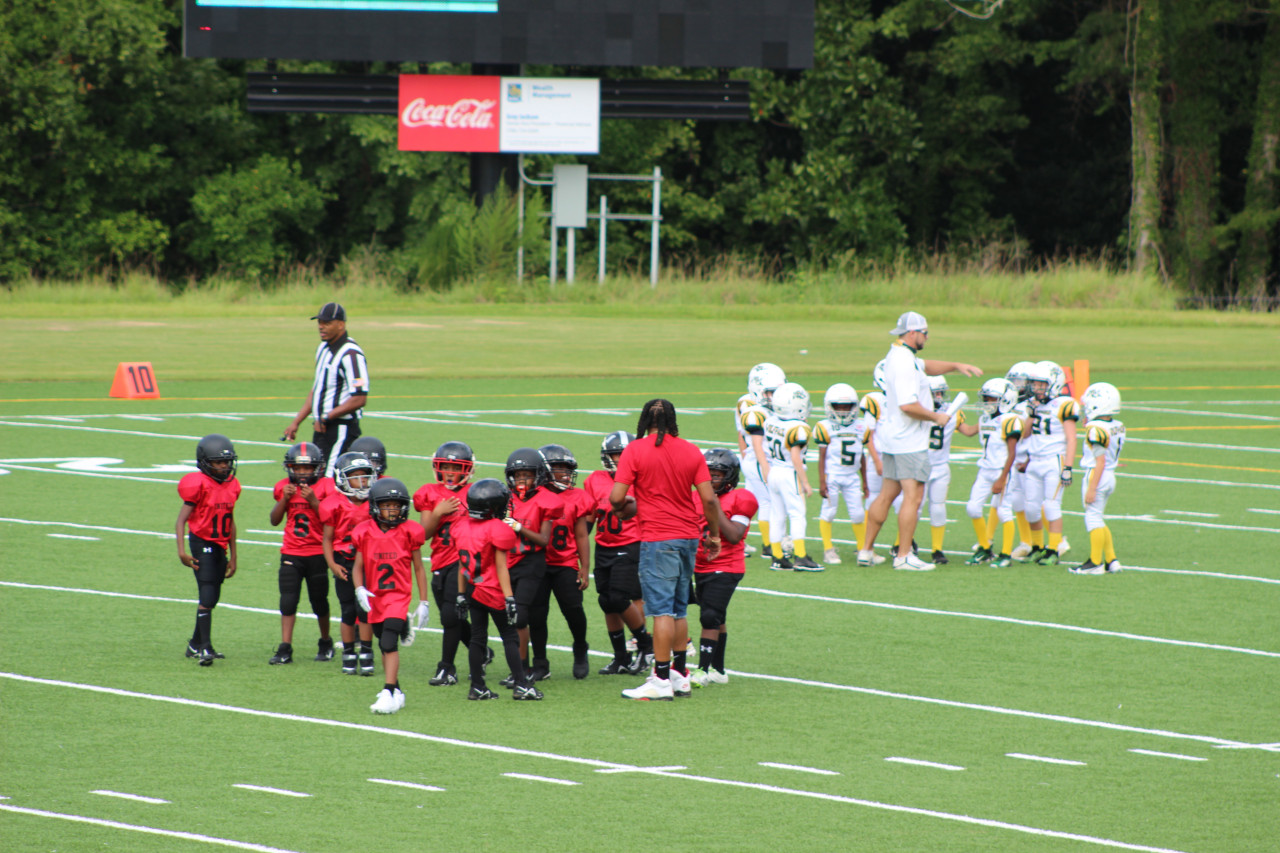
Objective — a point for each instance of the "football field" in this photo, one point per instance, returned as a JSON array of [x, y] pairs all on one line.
[[965, 709]]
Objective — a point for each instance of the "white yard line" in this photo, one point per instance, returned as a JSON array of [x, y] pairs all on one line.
[[800, 768], [414, 785], [1168, 755], [148, 830], [135, 797], [1045, 759], [265, 789], [920, 763], [531, 778]]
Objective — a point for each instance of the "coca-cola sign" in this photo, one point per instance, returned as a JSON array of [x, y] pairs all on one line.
[[464, 112], [448, 113]]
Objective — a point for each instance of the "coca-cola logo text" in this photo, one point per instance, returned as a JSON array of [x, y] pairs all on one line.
[[465, 112]]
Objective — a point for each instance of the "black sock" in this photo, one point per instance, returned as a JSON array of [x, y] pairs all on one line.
[[706, 653], [662, 669], [366, 646], [391, 687], [618, 639], [678, 662], [644, 640], [204, 621], [717, 659]]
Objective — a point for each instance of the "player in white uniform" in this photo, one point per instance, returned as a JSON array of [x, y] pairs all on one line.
[[753, 410], [1103, 441], [1015, 493], [999, 428], [786, 434], [872, 407], [1051, 444], [935, 490], [840, 438]]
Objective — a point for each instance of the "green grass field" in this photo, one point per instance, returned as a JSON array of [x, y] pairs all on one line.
[[967, 709]]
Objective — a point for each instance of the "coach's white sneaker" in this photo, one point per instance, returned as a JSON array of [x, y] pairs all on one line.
[[654, 688], [830, 557], [866, 558], [680, 684], [388, 701], [1022, 551], [911, 563]]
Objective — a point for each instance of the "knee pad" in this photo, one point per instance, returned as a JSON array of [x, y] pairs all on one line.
[[289, 602], [614, 601], [938, 514], [209, 595], [1052, 510], [1033, 513], [973, 509], [710, 617], [389, 636], [349, 611]]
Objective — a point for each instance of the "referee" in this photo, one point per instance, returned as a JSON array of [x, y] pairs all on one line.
[[340, 391]]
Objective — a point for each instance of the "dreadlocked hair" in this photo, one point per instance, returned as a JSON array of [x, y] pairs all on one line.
[[658, 414]]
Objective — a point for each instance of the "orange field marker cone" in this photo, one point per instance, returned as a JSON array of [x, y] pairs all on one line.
[[1082, 378], [135, 380]]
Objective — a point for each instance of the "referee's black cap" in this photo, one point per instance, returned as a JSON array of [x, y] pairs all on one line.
[[331, 311]]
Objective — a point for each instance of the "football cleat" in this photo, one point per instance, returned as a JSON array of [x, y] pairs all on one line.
[[806, 564], [617, 667], [766, 552], [349, 660], [653, 689], [481, 692], [940, 558], [1048, 558], [1112, 566], [980, 556], [830, 557], [641, 663], [388, 701], [445, 676], [911, 563], [366, 661], [581, 666], [1021, 551], [1032, 556], [707, 677], [325, 651], [1001, 561], [1064, 546], [207, 656], [541, 670], [781, 564], [284, 654], [680, 685], [509, 682], [192, 651], [526, 692], [1088, 567]]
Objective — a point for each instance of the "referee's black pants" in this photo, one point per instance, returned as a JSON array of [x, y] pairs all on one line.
[[335, 440]]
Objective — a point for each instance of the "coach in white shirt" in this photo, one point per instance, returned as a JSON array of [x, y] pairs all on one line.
[[903, 439]]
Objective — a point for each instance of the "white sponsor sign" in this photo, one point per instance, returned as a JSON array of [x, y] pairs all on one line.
[[549, 115]]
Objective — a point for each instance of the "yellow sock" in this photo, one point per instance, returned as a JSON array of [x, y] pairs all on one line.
[[1097, 542], [980, 528], [764, 535], [797, 545], [1109, 547], [938, 533], [860, 533], [825, 528], [1024, 526], [993, 523], [776, 548], [1037, 537], [1054, 540], [1010, 528]]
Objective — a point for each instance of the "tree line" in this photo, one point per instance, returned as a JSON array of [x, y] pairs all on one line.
[[1145, 133]]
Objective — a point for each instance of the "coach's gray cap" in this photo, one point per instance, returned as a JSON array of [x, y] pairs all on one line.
[[331, 311], [910, 322]]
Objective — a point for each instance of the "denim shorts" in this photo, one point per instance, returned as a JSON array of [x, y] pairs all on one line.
[[666, 573]]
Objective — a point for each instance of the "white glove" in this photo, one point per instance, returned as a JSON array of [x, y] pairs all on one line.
[[363, 595], [422, 615], [513, 524]]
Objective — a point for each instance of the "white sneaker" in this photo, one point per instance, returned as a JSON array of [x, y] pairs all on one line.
[[680, 684], [912, 563], [387, 702], [788, 546], [690, 648], [866, 558], [877, 559], [1022, 551], [654, 688], [748, 550], [699, 677], [1114, 566], [1064, 546], [830, 557], [632, 645]]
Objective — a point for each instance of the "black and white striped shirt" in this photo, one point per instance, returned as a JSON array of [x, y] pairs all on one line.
[[341, 373]]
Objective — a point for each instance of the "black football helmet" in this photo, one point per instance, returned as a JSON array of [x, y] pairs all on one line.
[[613, 445], [726, 462], [389, 490], [373, 450], [527, 459], [488, 498], [559, 456], [304, 453], [350, 465], [456, 453], [216, 448]]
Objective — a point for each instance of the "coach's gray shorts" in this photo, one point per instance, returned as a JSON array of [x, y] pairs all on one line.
[[906, 466]]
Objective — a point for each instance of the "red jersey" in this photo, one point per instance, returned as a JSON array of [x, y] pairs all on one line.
[[387, 557], [343, 516], [212, 505], [531, 513], [610, 530], [742, 504], [476, 542], [444, 552], [562, 549], [303, 530], [662, 478]]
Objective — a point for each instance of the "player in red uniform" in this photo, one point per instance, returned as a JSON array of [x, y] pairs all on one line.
[[617, 563], [389, 557], [568, 559], [484, 542], [442, 504], [716, 579], [298, 498], [208, 512], [353, 476], [533, 513]]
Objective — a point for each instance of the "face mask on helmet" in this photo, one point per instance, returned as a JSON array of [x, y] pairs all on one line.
[[216, 457], [354, 475], [562, 465], [303, 463], [841, 404], [373, 450], [724, 469], [938, 390], [764, 381], [453, 463], [611, 448], [526, 470], [389, 503]]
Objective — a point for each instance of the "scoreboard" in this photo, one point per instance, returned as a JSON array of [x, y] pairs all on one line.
[[682, 33]]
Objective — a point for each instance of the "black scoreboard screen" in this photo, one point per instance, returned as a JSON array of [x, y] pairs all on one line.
[[682, 33]]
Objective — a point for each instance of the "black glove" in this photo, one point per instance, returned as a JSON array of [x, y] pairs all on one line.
[[464, 607], [1066, 476], [511, 610]]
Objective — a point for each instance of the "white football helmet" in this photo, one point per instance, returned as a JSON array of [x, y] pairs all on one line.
[[1101, 399], [791, 402], [877, 376], [1017, 377], [1006, 397], [938, 388], [763, 381], [841, 394], [1048, 374]]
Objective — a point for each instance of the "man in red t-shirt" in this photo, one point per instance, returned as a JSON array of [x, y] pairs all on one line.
[[662, 470], [208, 512], [717, 578], [298, 498]]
